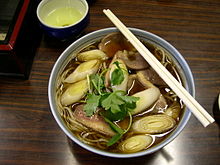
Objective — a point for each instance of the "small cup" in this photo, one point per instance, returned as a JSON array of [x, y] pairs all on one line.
[[63, 19]]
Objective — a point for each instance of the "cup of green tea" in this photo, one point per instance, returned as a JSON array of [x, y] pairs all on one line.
[[63, 19]]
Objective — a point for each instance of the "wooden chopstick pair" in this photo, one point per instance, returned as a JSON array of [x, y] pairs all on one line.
[[202, 115]]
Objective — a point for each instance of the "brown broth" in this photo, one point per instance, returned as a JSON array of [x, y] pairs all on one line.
[[136, 87]]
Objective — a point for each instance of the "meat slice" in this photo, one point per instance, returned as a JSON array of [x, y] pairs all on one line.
[[95, 122], [133, 60], [114, 42], [152, 76]]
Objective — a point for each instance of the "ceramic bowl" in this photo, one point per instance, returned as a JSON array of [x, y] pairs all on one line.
[[178, 59], [64, 27]]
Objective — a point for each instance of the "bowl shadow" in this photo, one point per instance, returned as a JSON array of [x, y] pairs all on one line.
[[86, 157]]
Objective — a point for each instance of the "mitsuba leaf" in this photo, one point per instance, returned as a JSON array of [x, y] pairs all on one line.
[[111, 102], [97, 82], [115, 108], [131, 106], [115, 116], [103, 97], [91, 105], [117, 105], [114, 127], [117, 75], [119, 132], [114, 139], [129, 99]]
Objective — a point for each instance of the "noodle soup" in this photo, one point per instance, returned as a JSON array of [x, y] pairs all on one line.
[[91, 79], [110, 101]]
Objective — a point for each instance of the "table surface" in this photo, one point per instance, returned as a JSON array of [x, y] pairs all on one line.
[[29, 133]]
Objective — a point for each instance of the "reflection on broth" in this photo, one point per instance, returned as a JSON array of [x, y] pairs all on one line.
[[111, 99]]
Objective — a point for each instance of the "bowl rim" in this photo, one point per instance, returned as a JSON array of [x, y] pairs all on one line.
[[62, 27], [189, 85]]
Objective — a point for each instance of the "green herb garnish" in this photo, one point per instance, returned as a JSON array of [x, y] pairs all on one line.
[[97, 82], [114, 139], [92, 103], [119, 132], [117, 105], [113, 126], [117, 76]]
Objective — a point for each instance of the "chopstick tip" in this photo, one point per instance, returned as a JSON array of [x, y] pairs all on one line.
[[205, 124], [106, 10]]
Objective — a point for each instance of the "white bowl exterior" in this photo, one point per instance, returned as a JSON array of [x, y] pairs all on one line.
[[68, 54]]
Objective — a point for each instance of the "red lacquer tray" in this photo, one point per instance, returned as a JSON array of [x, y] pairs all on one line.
[[19, 34]]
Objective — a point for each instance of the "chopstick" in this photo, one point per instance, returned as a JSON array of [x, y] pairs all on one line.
[[200, 113]]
